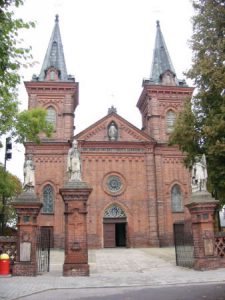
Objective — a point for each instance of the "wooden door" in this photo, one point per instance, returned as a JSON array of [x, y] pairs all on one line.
[[109, 235]]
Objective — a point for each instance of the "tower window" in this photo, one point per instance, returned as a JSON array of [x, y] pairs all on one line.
[[170, 120], [52, 75], [51, 116], [176, 198], [48, 199]]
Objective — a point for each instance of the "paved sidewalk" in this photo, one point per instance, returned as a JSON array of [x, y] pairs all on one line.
[[112, 268]]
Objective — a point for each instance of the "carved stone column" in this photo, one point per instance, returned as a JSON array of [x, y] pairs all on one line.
[[202, 208], [27, 207], [75, 195]]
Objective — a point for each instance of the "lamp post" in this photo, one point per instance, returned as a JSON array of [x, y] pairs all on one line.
[[8, 155]]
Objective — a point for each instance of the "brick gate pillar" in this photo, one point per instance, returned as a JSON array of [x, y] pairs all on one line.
[[202, 208], [27, 207], [75, 195]]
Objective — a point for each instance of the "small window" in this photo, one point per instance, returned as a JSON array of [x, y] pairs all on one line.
[[176, 198], [52, 75], [51, 116], [170, 120], [48, 199]]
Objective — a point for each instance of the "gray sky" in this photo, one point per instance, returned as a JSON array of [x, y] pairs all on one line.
[[108, 47]]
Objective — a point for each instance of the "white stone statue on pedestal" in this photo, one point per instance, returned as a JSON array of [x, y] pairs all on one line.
[[199, 175], [28, 169], [74, 163]]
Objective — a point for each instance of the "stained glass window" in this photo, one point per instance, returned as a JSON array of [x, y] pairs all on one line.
[[114, 183], [114, 211], [51, 116], [48, 199], [176, 197], [170, 120]]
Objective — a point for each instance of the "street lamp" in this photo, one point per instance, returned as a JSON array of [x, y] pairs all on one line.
[[8, 155]]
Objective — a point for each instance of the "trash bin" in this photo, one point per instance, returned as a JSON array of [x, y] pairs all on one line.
[[4, 264]]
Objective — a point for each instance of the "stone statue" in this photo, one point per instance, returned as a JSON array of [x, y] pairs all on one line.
[[28, 170], [199, 175], [112, 132], [74, 163]]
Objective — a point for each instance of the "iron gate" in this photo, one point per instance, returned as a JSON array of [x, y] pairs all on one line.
[[43, 249], [184, 248]]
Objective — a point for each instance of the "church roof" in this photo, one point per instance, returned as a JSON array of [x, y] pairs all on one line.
[[161, 59], [54, 56]]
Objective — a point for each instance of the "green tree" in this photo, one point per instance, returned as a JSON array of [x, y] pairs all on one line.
[[10, 187], [200, 127], [12, 57], [22, 126]]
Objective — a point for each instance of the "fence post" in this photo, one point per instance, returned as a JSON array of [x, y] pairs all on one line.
[[202, 208], [27, 207]]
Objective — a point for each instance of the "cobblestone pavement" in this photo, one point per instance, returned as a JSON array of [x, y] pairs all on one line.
[[112, 268]]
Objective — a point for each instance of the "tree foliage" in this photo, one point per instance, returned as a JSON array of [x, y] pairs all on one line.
[[22, 126], [12, 57], [200, 127], [10, 187]]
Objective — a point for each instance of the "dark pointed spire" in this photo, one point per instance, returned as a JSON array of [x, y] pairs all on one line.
[[54, 56], [161, 60]]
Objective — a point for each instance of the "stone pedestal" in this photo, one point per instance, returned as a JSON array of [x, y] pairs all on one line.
[[202, 208], [75, 195], [27, 208]]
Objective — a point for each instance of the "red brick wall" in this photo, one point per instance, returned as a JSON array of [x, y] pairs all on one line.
[[133, 200]]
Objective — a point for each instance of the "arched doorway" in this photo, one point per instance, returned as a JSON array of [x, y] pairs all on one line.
[[114, 227]]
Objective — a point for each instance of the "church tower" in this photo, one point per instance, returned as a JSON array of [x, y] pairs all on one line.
[[162, 98], [163, 93], [57, 92]]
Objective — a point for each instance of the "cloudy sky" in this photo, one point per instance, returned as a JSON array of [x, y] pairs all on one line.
[[108, 47]]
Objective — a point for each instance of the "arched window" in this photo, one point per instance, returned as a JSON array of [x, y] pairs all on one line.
[[114, 211], [48, 199], [52, 75], [51, 116], [176, 198], [170, 120]]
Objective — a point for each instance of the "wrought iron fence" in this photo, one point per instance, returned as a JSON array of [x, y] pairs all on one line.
[[220, 244], [184, 247], [43, 249]]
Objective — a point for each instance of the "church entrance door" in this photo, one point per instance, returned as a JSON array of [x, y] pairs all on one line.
[[114, 233], [114, 227]]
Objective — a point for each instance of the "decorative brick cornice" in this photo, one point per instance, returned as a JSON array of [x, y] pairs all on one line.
[[113, 150], [173, 160], [49, 159], [50, 101]]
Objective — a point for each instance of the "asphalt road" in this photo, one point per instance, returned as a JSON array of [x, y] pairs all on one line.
[[189, 292]]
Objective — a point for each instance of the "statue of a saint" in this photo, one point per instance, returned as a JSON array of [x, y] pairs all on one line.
[[28, 170], [199, 175], [74, 163], [112, 132]]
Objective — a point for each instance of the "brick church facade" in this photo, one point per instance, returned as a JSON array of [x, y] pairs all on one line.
[[140, 185]]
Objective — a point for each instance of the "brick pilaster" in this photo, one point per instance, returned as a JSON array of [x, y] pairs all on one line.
[[75, 196]]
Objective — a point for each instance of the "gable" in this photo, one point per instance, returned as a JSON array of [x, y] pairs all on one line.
[[101, 131]]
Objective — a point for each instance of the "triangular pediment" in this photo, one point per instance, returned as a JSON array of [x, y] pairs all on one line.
[[126, 132]]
